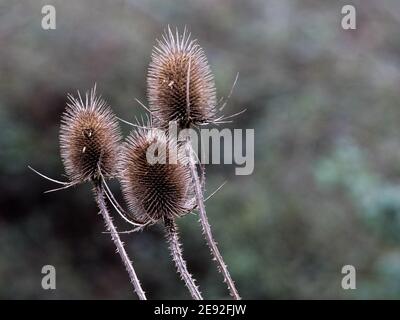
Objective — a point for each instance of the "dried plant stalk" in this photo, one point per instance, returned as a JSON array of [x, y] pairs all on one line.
[[177, 255], [99, 196], [206, 225]]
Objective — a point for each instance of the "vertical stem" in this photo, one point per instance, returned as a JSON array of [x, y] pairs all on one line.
[[206, 225], [175, 247], [99, 195]]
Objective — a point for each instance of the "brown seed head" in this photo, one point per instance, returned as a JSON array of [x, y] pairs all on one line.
[[180, 83], [155, 190], [89, 138]]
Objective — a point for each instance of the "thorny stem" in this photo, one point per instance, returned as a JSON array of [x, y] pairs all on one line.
[[175, 247], [206, 225], [99, 195]]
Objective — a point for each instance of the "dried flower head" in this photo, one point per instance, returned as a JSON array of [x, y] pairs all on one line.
[[155, 189], [180, 83], [89, 138]]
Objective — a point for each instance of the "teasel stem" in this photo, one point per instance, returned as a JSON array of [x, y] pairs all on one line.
[[99, 195], [175, 247], [206, 225]]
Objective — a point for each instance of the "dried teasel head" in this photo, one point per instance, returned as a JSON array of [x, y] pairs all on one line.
[[89, 138], [155, 188], [180, 83]]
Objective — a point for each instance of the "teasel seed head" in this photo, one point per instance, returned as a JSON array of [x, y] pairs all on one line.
[[154, 191], [89, 138], [181, 86]]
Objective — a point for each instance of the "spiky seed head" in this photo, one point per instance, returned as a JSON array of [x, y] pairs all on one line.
[[155, 190], [180, 84], [89, 138]]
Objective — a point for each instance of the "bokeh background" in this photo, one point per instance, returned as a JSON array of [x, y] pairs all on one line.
[[324, 103]]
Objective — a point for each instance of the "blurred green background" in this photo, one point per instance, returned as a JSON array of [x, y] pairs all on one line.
[[324, 103]]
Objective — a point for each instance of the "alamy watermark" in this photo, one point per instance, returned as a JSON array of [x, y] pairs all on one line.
[[49, 17], [49, 278], [349, 280], [213, 146], [349, 21]]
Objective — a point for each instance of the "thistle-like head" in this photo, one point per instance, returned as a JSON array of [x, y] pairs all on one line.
[[89, 138], [180, 83], [155, 189]]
